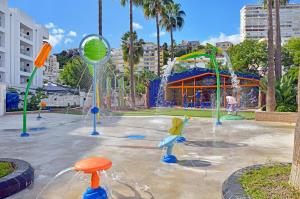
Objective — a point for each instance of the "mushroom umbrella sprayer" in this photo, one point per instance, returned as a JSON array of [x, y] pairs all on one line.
[[92, 166], [39, 62]]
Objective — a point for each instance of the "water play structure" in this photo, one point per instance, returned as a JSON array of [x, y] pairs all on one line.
[[95, 51], [168, 143], [39, 62], [93, 166], [195, 87], [41, 106]]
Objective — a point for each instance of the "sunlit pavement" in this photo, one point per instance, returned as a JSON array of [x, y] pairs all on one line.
[[208, 157]]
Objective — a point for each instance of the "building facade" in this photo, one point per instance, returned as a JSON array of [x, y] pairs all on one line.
[[117, 59], [20, 41], [150, 58], [254, 24], [52, 69]]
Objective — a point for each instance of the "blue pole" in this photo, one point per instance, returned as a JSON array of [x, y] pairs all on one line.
[[95, 109]]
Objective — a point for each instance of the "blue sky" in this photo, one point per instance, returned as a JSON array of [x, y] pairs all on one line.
[[69, 20]]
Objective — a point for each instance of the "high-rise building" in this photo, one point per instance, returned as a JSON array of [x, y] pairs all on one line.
[[225, 45], [52, 69], [117, 59], [150, 58], [20, 41], [254, 22]]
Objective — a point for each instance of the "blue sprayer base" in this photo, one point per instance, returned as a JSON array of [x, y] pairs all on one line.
[[24, 134], [99, 193], [95, 133], [169, 159], [218, 123], [38, 117], [180, 139]]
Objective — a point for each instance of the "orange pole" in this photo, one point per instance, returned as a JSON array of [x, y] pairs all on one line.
[[182, 93], [95, 180], [194, 91], [224, 93]]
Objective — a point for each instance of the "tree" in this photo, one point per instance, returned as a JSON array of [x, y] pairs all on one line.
[[130, 41], [278, 58], [100, 17], [271, 101], [172, 20], [166, 53], [76, 73], [131, 50], [155, 9], [249, 56], [295, 172], [293, 48]]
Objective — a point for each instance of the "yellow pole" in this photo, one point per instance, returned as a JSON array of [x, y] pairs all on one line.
[[98, 102]]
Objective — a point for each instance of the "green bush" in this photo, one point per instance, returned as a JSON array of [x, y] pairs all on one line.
[[286, 108]]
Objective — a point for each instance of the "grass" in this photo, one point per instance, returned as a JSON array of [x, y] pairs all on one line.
[[179, 112], [5, 168], [269, 182]]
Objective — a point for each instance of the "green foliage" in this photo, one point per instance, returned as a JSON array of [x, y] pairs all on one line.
[[138, 50], [286, 91], [172, 17], [76, 73], [5, 168], [65, 56], [269, 182], [248, 56], [36, 99], [293, 48]]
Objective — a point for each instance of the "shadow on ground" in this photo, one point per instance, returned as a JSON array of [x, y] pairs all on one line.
[[194, 163], [214, 144]]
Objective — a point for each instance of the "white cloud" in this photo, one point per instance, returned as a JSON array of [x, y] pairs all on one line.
[[68, 40], [50, 25], [58, 31], [161, 33], [72, 34], [137, 26], [235, 39], [84, 34], [55, 39]]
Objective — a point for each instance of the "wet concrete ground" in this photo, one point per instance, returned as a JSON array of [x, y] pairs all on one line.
[[208, 157]]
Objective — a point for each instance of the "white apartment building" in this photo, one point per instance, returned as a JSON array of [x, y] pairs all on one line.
[[51, 72], [150, 59], [117, 59], [225, 45], [20, 42], [254, 23]]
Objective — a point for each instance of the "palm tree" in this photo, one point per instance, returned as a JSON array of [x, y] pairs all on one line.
[[100, 17], [276, 5], [130, 42], [155, 9], [172, 20], [271, 101], [131, 50], [295, 172]]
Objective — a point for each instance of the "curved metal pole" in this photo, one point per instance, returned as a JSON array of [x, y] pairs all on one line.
[[24, 130]]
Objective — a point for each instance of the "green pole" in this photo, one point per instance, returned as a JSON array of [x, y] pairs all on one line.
[[24, 131], [214, 60]]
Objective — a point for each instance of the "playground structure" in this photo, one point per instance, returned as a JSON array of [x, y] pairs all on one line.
[[175, 136], [39, 62], [95, 51], [41, 106], [92, 166]]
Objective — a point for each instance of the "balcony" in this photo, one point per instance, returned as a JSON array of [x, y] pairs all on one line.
[[2, 77], [26, 49], [26, 32], [25, 66], [2, 40], [2, 20], [2, 59], [23, 79]]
